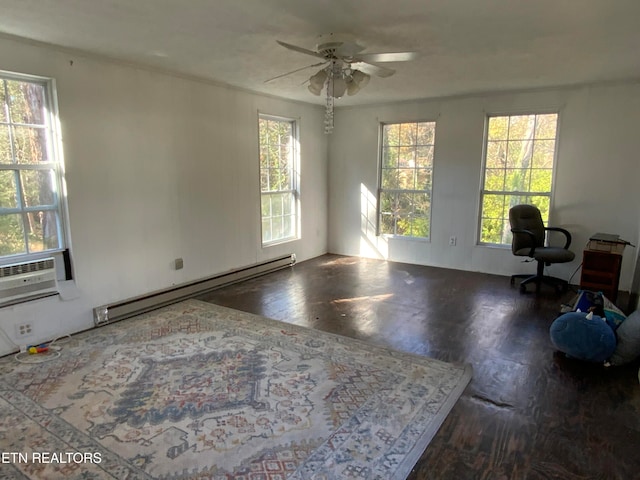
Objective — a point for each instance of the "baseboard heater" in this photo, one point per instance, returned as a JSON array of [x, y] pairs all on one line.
[[134, 306]]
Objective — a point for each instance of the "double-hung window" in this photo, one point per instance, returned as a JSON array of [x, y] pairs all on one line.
[[518, 168], [278, 179], [31, 213], [406, 173]]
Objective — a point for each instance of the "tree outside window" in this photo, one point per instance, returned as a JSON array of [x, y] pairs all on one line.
[[406, 179], [30, 174], [278, 179], [518, 168]]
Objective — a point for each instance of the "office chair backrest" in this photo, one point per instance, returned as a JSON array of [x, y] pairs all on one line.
[[526, 217]]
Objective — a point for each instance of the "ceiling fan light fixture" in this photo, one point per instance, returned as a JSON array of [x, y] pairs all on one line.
[[338, 87], [357, 81], [317, 81], [360, 78]]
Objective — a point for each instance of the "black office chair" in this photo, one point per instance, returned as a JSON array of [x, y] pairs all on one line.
[[529, 235]]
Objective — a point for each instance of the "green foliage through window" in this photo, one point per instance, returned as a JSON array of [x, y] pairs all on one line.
[[519, 160], [278, 179], [406, 173], [30, 218]]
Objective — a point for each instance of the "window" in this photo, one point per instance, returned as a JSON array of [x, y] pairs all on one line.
[[406, 173], [278, 179], [518, 168], [31, 219]]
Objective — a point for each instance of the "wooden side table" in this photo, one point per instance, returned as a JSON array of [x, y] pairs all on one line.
[[601, 272]]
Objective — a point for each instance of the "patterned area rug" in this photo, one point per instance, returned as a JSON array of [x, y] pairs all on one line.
[[198, 391]]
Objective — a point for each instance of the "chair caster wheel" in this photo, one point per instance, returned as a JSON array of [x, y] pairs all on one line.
[[523, 288]]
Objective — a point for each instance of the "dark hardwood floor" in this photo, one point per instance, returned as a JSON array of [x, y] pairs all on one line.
[[528, 413]]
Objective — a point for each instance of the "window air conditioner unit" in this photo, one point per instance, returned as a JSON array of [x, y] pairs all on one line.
[[21, 281]]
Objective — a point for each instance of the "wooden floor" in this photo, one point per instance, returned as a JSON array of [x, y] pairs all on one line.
[[528, 413]]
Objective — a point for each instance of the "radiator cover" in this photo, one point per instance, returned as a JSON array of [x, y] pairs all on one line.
[[114, 312]]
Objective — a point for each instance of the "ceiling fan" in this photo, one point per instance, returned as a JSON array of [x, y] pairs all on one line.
[[345, 69]]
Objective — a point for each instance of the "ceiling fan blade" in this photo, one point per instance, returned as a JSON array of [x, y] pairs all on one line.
[[295, 48], [372, 69], [388, 57], [295, 71]]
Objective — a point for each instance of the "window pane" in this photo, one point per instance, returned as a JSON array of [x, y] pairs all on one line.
[[264, 156], [390, 178], [543, 151], [26, 102], [543, 204], [391, 135], [387, 224], [5, 147], [526, 165], [287, 226], [494, 180], [420, 226], [517, 180], [516, 154], [403, 225], [408, 134], [407, 157], [424, 156], [493, 206], [3, 116], [404, 205], [406, 168], [276, 228], [42, 231], [421, 204], [285, 179], [29, 145], [546, 126], [521, 127], [276, 205], [8, 192], [278, 177], [37, 187], [423, 179], [498, 128], [12, 235], [496, 154], [266, 206], [264, 181], [275, 182], [541, 180], [25, 137], [407, 178], [426, 133], [266, 230], [389, 157]]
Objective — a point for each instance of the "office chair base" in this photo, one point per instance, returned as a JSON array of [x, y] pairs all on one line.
[[560, 285]]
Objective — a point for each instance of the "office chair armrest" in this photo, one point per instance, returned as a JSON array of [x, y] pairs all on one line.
[[563, 231], [531, 235]]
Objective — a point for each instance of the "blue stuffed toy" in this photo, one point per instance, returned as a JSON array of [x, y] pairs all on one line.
[[584, 336]]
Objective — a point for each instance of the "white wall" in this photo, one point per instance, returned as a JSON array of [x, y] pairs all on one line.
[[596, 183], [159, 167]]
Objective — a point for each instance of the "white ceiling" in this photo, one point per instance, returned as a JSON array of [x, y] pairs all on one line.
[[465, 46]]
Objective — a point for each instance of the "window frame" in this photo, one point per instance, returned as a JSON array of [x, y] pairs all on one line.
[[485, 146], [381, 190], [55, 165], [294, 172]]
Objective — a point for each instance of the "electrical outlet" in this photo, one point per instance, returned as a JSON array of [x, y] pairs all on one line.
[[452, 241], [24, 330]]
